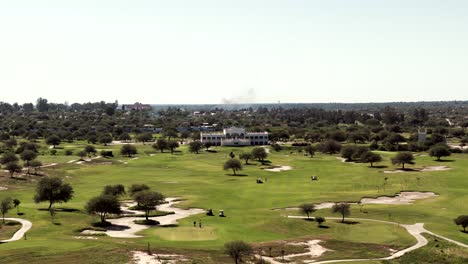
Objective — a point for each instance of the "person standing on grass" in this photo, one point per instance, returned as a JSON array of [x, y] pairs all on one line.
[[199, 223], [194, 223]]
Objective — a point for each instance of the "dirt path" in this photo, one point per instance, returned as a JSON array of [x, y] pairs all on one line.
[[415, 230], [26, 225]]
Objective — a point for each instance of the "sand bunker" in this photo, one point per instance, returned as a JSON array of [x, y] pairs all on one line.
[[140, 257], [423, 169], [49, 165], [125, 227], [400, 198], [314, 250], [278, 168], [85, 237], [3, 188]]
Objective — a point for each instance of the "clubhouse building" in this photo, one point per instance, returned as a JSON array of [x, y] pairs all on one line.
[[235, 136]]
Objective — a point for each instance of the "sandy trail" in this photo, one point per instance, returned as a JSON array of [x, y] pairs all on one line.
[[415, 230], [26, 225], [125, 227], [49, 165]]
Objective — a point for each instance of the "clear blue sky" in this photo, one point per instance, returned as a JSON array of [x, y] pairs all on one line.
[[210, 51]]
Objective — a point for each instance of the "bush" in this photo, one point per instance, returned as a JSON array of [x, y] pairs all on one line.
[[107, 153], [68, 152]]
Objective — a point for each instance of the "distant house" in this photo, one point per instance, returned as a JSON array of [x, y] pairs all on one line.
[[235, 136], [136, 106]]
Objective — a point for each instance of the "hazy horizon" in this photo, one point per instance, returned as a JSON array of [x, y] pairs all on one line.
[[214, 52]]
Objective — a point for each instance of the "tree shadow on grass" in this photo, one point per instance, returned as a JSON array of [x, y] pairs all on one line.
[[378, 167], [67, 210], [444, 160], [237, 175], [323, 226], [349, 222], [464, 231]]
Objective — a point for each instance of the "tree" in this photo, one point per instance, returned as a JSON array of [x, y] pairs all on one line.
[[207, 145], [233, 164], [27, 156], [246, 157], [161, 144], [320, 220], [172, 145], [439, 151], [128, 150], [237, 249], [148, 200], [103, 205], [307, 209], [13, 167], [347, 152], [53, 190], [16, 203], [330, 147], [259, 153], [134, 188], [36, 165], [90, 150], [53, 140], [144, 137], [5, 206], [403, 158], [195, 146], [8, 157], [462, 220], [115, 190], [371, 157], [343, 209], [105, 139], [81, 154], [309, 149]]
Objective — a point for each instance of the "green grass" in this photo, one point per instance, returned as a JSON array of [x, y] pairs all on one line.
[[201, 182], [8, 228]]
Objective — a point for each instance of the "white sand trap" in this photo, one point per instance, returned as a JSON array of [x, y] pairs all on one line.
[[267, 149], [85, 237], [71, 161], [152, 154], [278, 168], [3, 188], [314, 250], [125, 227], [423, 169], [92, 232], [140, 257], [135, 158]]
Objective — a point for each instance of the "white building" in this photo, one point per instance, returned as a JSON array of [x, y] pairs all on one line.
[[235, 136]]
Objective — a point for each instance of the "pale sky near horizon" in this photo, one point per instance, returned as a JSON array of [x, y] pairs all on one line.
[[245, 51]]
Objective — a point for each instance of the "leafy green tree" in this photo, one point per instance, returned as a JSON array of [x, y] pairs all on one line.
[[233, 164], [105, 139], [103, 205], [5, 206], [371, 157], [403, 158], [8, 157], [172, 145], [462, 220], [330, 147], [115, 190], [16, 203], [320, 220], [53, 190], [246, 157], [136, 188], [259, 153], [207, 145], [27, 156], [12, 168], [195, 146], [347, 152], [53, 140], [128, 150], [237, 250], [343, 209], [439, 151], [148, 200], [90, 150], [161, 144], [309, 149], [144, 137], [307, 209]]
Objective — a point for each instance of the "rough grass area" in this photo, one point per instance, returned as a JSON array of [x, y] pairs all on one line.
[[437, 251], [8, 229]]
